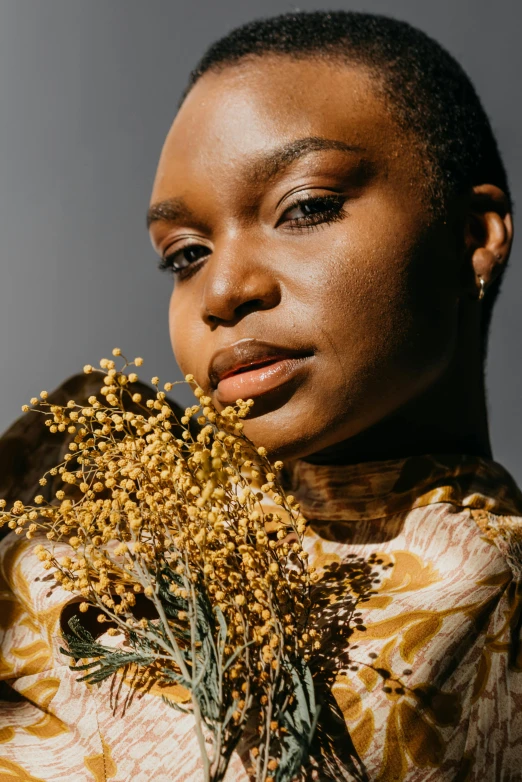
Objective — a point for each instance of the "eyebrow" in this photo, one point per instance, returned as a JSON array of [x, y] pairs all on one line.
[[277, 160], [261, 170], [169, 211]]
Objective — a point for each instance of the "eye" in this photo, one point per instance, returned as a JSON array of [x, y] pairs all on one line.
[[184, 258], [309, 211]]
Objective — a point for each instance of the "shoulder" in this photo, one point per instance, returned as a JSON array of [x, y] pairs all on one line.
[[15, 555], [27, 588], [506, 533], [20, 565]]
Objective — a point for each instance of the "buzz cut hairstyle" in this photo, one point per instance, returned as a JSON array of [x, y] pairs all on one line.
[[428, 92]]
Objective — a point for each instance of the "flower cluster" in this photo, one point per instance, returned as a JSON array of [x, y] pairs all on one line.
[[173, 515]]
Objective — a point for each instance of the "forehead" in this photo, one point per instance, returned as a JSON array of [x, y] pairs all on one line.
[[233, 116]]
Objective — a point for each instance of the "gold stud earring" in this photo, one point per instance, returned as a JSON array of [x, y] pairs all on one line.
[[482, 291]]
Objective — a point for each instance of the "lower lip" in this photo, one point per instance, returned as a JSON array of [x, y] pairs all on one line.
[[255, 382]]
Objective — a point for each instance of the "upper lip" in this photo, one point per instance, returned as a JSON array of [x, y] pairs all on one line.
[[248, 353]]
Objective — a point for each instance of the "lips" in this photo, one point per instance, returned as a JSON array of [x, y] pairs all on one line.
[[252, 367]]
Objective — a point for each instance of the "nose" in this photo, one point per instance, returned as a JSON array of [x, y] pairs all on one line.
[[237, 282]]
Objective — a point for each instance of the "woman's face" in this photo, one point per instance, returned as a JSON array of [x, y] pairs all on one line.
[[310, 274]]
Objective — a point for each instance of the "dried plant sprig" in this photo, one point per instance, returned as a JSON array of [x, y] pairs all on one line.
[[179, 524]]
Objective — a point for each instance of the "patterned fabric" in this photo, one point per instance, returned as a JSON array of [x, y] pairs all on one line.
[[427, 672]]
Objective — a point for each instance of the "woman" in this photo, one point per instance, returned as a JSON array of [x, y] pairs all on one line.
[[332, 204]]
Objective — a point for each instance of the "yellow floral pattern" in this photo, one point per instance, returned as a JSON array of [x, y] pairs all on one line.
[[420, 599]]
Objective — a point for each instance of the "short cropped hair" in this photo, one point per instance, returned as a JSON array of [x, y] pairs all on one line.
[[428, 92]]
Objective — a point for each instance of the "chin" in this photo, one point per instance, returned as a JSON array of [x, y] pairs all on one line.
[[306, 425], [286, 435]]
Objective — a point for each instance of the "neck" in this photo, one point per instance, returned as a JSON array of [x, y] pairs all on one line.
[[448, 418]]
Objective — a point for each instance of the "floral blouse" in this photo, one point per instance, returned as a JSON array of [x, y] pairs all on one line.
[[420, 597]]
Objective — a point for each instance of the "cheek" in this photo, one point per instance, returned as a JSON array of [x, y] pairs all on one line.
[[179, 332], [188, 335], [386, 303]]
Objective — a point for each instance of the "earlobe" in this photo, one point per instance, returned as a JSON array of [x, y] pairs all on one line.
[[489, 234]]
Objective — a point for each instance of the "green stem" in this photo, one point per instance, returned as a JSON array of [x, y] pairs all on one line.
[[201, 739], [195, 702]]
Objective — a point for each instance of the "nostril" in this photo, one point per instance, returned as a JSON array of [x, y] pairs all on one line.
[[212, 320], [231, 293], [249, 306], [238, 312]]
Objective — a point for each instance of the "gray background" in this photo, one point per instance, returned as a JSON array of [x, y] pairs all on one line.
[[88, 89]]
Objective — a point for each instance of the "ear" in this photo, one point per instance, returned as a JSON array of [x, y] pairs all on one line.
[[489, 235]]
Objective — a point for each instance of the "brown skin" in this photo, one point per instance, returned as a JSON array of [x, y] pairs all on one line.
[[385, 296]]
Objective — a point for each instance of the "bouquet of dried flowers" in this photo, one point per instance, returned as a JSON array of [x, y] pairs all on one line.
[[171, 514]]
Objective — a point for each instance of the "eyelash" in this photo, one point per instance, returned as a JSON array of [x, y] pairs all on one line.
[[167, 264], [333, 213]]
